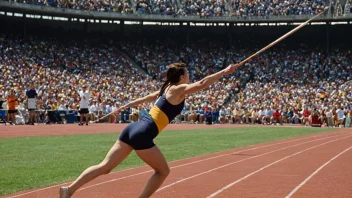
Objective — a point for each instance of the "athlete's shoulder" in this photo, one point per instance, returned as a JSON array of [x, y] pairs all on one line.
[[180, 87]]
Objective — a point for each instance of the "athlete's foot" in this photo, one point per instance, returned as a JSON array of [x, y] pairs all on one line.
[[64, 192]]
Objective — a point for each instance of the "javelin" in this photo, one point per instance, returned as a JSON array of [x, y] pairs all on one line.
[[281, 38], [260, 51], [97, 120]]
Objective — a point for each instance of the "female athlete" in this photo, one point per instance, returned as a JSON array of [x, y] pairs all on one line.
[[139, 135]]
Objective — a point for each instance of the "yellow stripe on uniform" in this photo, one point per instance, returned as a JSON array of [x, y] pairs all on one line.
[[159, 117]]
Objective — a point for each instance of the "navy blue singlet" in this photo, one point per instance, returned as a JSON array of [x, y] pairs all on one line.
[[140, 134]]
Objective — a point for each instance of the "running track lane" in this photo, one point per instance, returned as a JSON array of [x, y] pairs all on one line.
[[281, 178], [131, 187], [73, 129], [132, 173], [205, 184], [333, 179]]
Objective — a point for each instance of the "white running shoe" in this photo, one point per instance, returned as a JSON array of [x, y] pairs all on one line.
[[64, 192]]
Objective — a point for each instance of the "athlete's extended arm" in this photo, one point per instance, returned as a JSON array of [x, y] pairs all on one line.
[[207, 81], [149, 98]]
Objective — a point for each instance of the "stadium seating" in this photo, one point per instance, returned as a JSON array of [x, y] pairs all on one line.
[[287, 80], [203, 8]]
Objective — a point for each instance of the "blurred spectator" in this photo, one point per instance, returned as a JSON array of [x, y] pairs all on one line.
[[31, 97]]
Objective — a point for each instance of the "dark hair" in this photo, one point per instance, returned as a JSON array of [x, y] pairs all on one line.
[[173, 73]]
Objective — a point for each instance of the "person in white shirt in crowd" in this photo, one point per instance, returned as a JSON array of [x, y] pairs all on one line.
[[340, 116], [222, 117], [93, 110], [99, 106], [22, 117], [262, 114], [102, 107], [109, 109], [62, 106], [84, 95], [116, 116], [228, 115]]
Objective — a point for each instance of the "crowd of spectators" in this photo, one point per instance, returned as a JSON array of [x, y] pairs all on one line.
[[304, 86], [158, 7], [60, 68], [297, 84], [117, 6], [202, 8], [277, 8]]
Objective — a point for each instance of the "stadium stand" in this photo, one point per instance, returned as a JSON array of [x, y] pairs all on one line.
[[272, 81], [203, 8], [292, 83]]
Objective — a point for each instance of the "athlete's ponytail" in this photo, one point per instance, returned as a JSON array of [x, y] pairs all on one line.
[[162, 89]]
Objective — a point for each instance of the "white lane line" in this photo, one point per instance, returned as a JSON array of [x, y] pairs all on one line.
[[235, 162], [315, 172], [245, 177]]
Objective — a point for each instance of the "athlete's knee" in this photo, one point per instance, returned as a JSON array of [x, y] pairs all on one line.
[[165, 171], [106, 167]]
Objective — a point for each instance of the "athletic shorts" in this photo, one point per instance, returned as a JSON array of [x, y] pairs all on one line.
[[84, 111], [140, 135], [31, 103], [12, 111]]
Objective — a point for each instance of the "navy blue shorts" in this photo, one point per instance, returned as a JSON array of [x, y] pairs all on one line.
[[140, 135]]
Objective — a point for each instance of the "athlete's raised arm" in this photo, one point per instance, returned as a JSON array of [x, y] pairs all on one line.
[[186, 89]]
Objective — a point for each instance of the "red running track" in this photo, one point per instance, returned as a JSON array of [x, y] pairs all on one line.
[[267, 170], [9, 131]]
